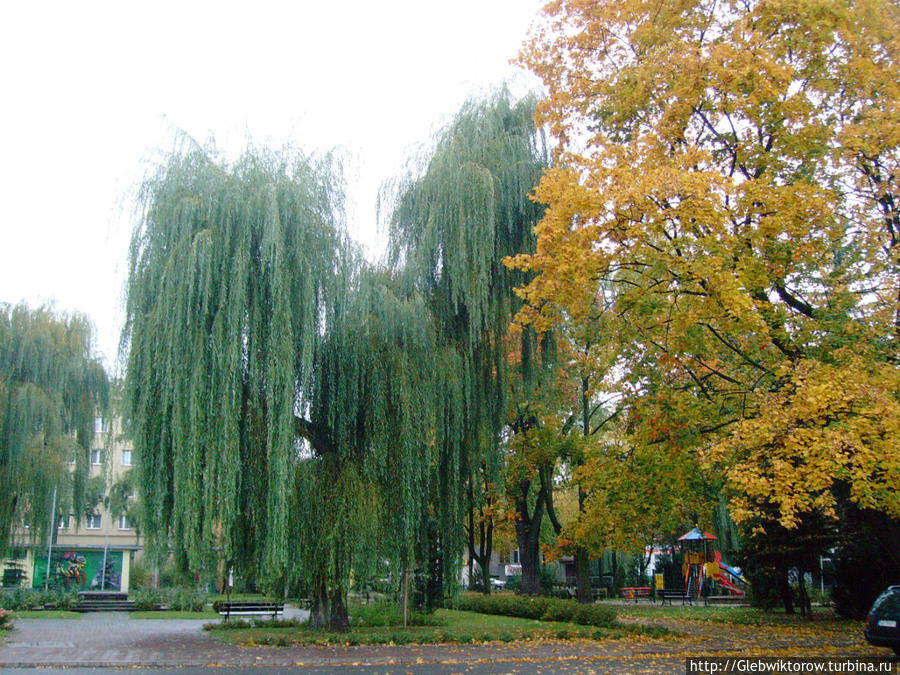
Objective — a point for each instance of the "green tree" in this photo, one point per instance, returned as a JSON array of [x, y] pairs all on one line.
[[288, 401], [235, 273], [51, 389], [456, 217]]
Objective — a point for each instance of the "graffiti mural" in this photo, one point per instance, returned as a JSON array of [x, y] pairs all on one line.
[[79, 570], [111, 581], [71, 569]]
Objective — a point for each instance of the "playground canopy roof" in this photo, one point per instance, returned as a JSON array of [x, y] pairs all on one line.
[[696, 535]]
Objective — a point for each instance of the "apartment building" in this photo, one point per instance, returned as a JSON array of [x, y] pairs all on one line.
[[77, 554]]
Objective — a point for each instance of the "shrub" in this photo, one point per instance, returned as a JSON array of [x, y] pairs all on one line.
[[389, 614], [188, 599], [277, 623], [5, 619], [504, 605], [547, 577], [29, 598], [148, 598], [139, 575], [402, 638], [545, 609], [229, 625], [181, 599]]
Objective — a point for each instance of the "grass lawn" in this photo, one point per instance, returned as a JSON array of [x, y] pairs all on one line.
[[172, 614], [458, 626], [750, 616], [44, 614]]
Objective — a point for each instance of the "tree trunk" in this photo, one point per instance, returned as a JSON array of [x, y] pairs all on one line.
[[530, 561], [470, 531], [784, 589], [485, 545], [329, 609], [582, 561], [482, 554], [805, 602], [583, 575], [434, 587], [528, 533], [615, 573]]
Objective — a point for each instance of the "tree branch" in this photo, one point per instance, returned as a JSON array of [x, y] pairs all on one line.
[[547, 489]]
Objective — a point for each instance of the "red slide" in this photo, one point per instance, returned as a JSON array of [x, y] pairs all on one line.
[[724, 581]]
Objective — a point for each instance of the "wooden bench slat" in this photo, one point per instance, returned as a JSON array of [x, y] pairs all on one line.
[[228, 609]]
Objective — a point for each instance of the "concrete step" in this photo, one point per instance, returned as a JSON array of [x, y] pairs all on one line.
[[104, 606], [102, 595]]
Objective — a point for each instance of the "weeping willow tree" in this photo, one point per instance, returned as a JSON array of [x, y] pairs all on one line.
[[51, 388], [231, 276], [381, 385], [289, 402], [456, 219], [282, 392]]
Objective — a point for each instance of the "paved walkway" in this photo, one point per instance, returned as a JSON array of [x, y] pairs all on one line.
[[112, 639]]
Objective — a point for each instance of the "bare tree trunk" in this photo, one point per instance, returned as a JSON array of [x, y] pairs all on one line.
[[530, 560], [582, 561], [784, 589], [528, 532], [484, 550], [482, 553], [805, 603], [329, 609]]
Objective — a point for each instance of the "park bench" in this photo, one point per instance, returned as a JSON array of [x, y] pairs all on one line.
[[250, 608], [636, 592], [668, 594]]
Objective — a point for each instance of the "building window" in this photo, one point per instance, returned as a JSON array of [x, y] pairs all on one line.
[[126, 458], [124, 523], [100, 425], [514, 558], [96, 457], [94, 521], [63, 523]]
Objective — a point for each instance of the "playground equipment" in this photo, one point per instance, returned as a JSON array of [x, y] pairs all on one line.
[[703, 564]]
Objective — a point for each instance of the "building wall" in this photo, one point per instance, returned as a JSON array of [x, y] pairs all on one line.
[[77, 553]]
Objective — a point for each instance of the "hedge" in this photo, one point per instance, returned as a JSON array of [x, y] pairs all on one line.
[[181, 599], [29, 598], [544, 609]]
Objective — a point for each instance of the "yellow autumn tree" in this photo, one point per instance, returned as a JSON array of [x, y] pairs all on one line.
[[730, 168]]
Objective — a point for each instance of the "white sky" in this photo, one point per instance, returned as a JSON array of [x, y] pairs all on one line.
[[92, 94]]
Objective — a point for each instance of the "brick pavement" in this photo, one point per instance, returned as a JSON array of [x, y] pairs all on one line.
[[116, 640]]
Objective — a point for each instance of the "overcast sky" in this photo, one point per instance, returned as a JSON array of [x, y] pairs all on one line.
[[94, 93]]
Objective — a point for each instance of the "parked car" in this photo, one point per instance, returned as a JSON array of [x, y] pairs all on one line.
[[498, 584], [883, 621]]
